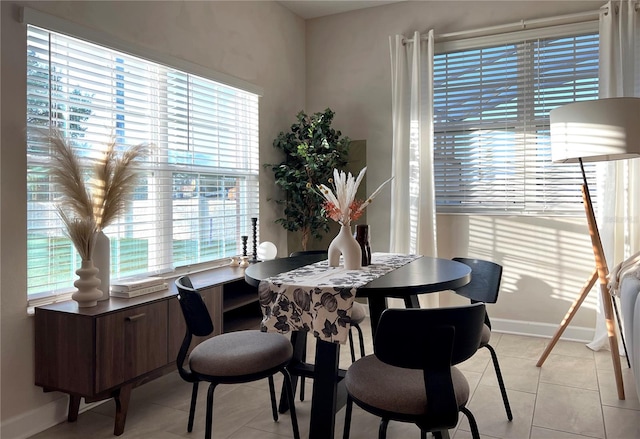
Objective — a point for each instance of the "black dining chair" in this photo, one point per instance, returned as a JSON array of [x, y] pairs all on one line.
[[484, 287], [411, 377], [230, 358], [358, 314]]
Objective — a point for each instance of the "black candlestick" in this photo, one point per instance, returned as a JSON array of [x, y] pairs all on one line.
[[254, 226], [244, 244]]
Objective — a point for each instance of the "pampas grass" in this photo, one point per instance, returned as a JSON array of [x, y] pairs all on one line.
[[82, 232], [88, 207]]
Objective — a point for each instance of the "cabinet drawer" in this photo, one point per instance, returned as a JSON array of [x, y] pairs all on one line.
[[130, 343]]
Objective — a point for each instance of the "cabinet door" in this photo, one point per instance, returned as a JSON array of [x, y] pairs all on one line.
[[64, 352], [130, 343]]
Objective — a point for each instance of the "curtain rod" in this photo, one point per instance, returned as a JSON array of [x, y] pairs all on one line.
[[520, 25]]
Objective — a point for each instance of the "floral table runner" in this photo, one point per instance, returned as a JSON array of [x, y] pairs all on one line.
[[318, 298]]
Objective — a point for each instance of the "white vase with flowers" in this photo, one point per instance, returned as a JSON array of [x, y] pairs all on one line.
[[89, 203], [342, 206]]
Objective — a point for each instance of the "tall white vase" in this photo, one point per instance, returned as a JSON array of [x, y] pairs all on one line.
[[88, 292], [346, 245], [102, 260]]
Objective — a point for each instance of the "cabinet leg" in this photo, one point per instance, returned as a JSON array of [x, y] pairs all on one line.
[[74, 407], [121, 398]]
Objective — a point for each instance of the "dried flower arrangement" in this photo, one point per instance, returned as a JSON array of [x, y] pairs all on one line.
[[88, 207], [341, 205]]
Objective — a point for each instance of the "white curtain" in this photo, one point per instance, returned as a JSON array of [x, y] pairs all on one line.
[[413, 213], [618, 215]]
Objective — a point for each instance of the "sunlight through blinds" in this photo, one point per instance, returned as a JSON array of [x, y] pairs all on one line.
[[199, 184]]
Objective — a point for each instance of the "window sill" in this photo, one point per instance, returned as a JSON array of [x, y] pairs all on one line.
[[169, 277]]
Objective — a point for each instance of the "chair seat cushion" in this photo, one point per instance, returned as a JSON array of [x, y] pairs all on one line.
[[358, 313], [396, 389], [486, 335], [240, 353]]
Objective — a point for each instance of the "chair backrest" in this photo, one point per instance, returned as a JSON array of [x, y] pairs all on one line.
[[431, 337], [309, 252], [193, 308], [485, 280], [433, 340]]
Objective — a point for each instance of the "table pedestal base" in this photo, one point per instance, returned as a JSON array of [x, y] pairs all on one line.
[[329, 393]]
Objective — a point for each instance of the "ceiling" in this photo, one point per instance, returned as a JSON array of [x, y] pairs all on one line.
[[319, 8]]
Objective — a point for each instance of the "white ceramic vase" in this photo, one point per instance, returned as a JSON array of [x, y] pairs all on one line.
[[102, 260], [88, 293], [346, 245]]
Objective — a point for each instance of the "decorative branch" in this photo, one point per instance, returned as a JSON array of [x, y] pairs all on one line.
[[341, 204]]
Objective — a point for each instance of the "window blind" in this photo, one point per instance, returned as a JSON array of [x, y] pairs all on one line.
[[199, 183], [491, 128]]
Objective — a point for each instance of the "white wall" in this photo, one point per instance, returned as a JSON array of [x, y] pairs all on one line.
[[546, 260], [259, 42]]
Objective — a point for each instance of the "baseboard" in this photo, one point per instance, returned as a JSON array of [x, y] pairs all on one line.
[[521, 327], [544, 330], [40, 419]]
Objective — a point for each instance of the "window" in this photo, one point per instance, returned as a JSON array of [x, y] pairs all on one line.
[[199, 185], [492, 99]]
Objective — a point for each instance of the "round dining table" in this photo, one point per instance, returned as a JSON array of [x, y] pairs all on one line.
[[420, 276]]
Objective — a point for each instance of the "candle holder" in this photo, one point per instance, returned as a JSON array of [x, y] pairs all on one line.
[[254, 228], [244, 244]]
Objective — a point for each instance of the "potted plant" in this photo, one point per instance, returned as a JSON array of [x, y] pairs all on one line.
[[312, 149]]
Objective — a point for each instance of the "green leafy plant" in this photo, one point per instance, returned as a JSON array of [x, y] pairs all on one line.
[[312, 151]]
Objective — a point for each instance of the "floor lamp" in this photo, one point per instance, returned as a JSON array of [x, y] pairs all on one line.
[[594, 131]]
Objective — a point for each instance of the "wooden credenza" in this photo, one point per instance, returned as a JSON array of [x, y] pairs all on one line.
[[105, 351]]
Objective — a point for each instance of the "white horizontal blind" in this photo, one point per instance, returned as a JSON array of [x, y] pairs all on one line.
[[491, 147], [199, 184]]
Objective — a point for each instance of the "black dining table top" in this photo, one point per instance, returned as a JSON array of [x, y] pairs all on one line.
[[422, 275]]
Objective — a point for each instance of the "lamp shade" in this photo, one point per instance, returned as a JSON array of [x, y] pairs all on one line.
[[597, 130]]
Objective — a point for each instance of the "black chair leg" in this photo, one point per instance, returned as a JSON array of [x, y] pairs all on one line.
[[292, 406], [361, 340], [272, 393], [475, 434], [192, 407], [209, 427], [382, 431], [351, 347], [503, 390], [347, 418], [304, 360], [411, 301]]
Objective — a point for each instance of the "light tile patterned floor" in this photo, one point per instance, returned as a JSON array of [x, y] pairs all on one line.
[[573, 396]]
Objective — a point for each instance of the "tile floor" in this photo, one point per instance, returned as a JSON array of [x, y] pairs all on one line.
[[573, 396]]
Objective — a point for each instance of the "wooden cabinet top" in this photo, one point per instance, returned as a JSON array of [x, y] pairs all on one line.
[[201, 280]]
